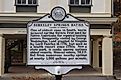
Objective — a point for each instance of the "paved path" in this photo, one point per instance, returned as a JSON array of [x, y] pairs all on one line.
[[29, 73], [88, 78], [64, 78]]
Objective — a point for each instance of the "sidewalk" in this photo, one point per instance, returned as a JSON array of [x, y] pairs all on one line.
[[63, 78], [117, 73], [29, 73], [26, 73]]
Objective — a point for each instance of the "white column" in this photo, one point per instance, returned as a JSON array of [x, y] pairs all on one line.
[[24, 55], [2, 54], [107, 56], [95, 53], [1, 5]]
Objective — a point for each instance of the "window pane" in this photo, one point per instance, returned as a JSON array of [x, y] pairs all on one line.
[[34, 1], [87, 1], [76, 1], [29, 1], [26, 9], [72, 1], [80, 9], [82, 1], [18, 1], [23, 1]]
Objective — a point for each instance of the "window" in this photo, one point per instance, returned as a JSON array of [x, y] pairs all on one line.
[[80, 2], [26, 2], [80, 6], [26, 5]]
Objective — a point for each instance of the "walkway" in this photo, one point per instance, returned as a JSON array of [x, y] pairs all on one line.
[[29, 73]]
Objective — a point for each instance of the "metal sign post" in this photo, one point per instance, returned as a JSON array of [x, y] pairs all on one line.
[[58, 77], [58, 42]]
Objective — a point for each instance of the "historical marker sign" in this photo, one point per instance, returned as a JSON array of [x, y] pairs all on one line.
[[60, 43]]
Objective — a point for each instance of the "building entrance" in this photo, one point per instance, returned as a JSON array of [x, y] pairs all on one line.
[[15, 50], [16, 53]]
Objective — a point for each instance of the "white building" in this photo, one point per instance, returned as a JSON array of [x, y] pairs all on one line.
[[15, 14]]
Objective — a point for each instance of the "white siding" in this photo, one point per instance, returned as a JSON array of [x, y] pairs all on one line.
[[1, 5], [8, 6], [98, 6], [108, 6], [101, 6], [45, 6]]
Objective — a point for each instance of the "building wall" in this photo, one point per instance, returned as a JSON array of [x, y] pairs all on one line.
[[98, 6], [50, 4], [8, 6], [101, 6], [1, 5], [108, 6], [44, 6]]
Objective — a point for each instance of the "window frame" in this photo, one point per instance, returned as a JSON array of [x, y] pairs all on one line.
[[80, 4], [26, 3]]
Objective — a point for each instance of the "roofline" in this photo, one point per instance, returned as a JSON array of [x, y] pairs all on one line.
[[94, 20]]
